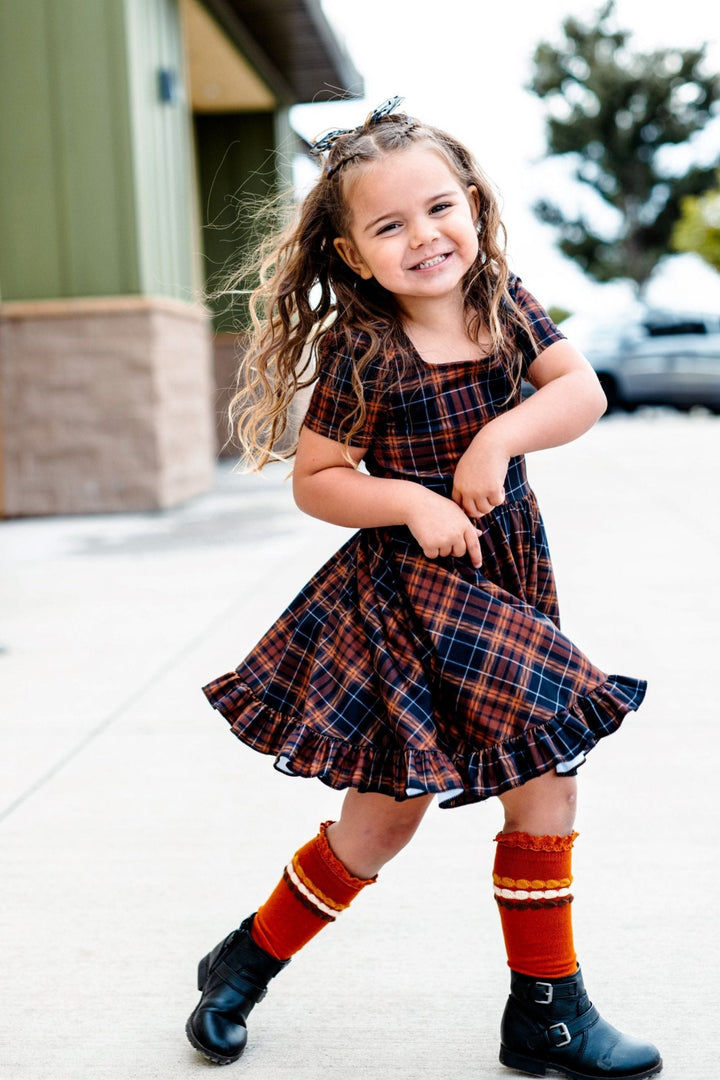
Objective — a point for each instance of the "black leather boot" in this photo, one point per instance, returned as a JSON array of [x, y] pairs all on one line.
[[232, 978], [553, 1024]]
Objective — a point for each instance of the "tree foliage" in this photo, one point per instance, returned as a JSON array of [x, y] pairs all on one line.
[[616, 111], [698, 229]]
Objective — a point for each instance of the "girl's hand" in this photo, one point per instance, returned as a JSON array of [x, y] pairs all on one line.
[[441, 528], [480, 475]]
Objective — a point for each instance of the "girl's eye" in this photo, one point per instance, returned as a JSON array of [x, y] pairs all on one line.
[[389, 227], [439, 207]]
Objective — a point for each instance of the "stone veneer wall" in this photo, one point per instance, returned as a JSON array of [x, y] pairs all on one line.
[[106, 405], [228, 352]]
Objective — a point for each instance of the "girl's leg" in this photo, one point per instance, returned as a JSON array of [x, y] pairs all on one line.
[[325, 875], [319, 882], [532, 875], [549, 1021]]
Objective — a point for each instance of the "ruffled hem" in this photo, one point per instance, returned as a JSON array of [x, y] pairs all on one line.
[[526, 842], [470, 775]]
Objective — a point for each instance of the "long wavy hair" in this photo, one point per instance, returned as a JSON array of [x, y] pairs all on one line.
[[306, 290]]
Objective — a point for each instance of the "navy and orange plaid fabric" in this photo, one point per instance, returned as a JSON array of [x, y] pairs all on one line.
[[395, 673]]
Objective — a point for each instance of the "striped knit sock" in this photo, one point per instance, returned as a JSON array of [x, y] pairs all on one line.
[[532, 879], [313, 890]]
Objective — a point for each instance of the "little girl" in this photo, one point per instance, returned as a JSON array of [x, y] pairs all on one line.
[[425, 658]]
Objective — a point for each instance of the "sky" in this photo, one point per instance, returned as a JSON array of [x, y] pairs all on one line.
[[463, 65]]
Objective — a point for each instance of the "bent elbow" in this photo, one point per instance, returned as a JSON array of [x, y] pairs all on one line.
[[300, 490], [311, 493], [601, 402], [596, 402]]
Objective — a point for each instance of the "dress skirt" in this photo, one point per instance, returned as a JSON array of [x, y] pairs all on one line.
[[394, 673]]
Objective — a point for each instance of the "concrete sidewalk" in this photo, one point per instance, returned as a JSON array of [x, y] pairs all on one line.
[[135, 831]]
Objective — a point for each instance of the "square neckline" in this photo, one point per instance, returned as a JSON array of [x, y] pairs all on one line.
[[443, 363]]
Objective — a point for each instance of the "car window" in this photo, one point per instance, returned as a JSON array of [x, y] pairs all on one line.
[[594, 336], [665, 329]]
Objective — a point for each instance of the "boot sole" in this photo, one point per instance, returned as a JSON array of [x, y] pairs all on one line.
[[535, 1067], [211, 1055]]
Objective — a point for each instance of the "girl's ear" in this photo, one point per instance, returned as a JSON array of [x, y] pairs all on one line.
[[474, 200], [350, 255]]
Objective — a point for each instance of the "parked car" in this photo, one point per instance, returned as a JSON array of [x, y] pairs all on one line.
[[653, 357]]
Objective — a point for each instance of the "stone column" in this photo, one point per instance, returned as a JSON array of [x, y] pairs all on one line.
[[106, 404]]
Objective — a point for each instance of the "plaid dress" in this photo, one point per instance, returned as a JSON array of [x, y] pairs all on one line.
[[395, 673]]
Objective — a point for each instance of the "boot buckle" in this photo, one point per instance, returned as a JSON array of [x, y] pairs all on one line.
[[563, 1036], [546, 989]]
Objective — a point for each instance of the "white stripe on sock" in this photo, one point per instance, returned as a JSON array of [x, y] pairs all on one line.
[[307, 893]]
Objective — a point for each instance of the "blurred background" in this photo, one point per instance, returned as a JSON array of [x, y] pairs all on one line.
[[137, 135]]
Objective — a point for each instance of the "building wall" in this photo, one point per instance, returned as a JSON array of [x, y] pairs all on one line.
[[105, 356], [105, 405], [163, 153], [237, 175], [68, 224], [115, 212], [95, 170]]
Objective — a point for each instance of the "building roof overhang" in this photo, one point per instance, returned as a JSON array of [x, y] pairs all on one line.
[[292, 46]]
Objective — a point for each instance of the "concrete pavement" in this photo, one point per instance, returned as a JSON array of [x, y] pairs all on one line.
[[135, 831]]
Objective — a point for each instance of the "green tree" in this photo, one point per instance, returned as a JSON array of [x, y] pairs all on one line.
[[614, 112], [557, 314], [698, 229]]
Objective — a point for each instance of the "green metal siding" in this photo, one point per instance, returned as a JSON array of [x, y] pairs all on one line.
[[163, 154], [237, 166], [29, 243], [95, 172], [67, 221]]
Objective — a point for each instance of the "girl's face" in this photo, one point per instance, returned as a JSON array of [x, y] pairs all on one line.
[[412, 225]]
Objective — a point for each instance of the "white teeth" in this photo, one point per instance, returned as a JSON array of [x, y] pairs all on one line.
[[430, 262]]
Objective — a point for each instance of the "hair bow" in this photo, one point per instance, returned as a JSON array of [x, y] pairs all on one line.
[[326, 142]]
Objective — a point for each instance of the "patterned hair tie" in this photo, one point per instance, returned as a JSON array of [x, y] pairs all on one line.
[[326, 142]]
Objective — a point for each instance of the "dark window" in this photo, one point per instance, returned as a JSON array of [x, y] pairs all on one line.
[[666, 329]]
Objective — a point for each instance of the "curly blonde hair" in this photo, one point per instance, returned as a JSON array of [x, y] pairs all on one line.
[[306, 289]]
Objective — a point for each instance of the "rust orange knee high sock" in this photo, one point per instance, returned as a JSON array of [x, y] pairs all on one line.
[[532, 877], [313, 890]]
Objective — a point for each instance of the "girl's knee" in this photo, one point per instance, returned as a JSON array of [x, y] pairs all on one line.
[[392, 835], [390, 832], [544, 806], [373, 829]]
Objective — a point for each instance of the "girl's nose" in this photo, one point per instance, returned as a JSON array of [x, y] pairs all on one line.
[[422, 232]]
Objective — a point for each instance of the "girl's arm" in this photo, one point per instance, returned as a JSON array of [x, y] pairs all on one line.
[[567, 402], [328, 486]]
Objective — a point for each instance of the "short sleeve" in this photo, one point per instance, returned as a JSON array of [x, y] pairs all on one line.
[[334, 401], [544, 330]]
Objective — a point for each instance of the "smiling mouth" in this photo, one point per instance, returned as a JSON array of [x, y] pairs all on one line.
[[429, 263]]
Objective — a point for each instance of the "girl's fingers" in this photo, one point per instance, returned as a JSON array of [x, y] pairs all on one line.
[[473, 547], [480, 505], [464, 542]]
